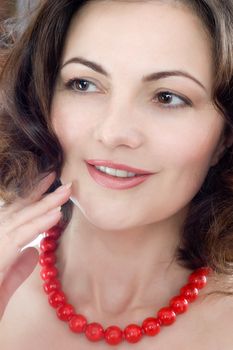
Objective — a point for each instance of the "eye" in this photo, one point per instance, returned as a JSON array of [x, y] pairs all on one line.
[[168, 99], [80, 85]]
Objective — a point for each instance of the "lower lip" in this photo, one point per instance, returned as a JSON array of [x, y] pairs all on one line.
[[114, 182]]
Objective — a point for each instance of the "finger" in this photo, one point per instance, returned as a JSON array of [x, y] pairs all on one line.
[[36, 194], [53, 200], [11, 243], [7, 212]]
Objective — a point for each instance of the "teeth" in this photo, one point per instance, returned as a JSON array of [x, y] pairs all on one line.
[[115, 172]]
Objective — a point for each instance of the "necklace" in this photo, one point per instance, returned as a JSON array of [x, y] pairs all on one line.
[[94, 331]]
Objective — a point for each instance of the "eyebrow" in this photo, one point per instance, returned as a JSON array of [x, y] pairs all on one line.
[[151, 77]]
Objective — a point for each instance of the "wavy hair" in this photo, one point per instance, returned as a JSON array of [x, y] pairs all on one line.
[[29, 148]]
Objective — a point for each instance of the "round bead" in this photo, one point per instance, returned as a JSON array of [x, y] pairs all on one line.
[[133, 333], [151, 326], [166, 316], [78, 323], [54, 232], [56, 298], [113, 335], [51, 285], [47, 258], [48, 272], [179, 304], [48, 244], [94, 331], [198, 279], [65, 312], [204, 271], [190, 292]]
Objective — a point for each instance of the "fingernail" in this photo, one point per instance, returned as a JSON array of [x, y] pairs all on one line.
[[64, 187]]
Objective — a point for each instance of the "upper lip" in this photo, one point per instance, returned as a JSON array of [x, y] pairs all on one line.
[[111, 164]]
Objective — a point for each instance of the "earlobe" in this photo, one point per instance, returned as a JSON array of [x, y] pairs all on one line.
[[229, 141], [217, 155], [225, 143]]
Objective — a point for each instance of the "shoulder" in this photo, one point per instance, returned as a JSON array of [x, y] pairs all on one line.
[[217, 312]]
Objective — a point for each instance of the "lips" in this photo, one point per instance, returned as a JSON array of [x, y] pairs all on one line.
[[114, 182], [120, 166]]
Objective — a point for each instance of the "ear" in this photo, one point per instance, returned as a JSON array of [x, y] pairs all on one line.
[[225, 142]]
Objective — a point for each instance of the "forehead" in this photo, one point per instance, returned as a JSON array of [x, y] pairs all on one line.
[[141, 35]]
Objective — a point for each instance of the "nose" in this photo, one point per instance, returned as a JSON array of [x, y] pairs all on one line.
[[119, 127]]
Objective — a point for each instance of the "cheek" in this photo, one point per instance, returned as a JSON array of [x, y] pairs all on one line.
[[70, 125], [186, 159], [192, 142]]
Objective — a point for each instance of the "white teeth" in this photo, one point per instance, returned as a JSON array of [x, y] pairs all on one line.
[[115, 172]]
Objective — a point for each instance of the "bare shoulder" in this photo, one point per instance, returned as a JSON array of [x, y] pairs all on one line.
[[217, 313], [21, 316]]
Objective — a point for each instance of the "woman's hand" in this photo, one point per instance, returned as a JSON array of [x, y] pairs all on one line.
[[20, 223]]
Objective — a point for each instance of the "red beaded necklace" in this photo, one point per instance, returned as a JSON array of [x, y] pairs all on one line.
[[94, 331]]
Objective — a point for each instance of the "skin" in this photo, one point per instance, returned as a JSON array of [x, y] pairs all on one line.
[[117, 253]]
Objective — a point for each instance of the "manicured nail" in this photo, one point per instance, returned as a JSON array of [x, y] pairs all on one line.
[[64, 188]]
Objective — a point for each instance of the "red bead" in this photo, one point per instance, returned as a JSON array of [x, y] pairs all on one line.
[[133, 333], [94, 331], [48, 244], [204, 271], [190, 292], [51, 285], [65, 312], [166, 316], [198, 279], [78, 323], [47, 258], [48, 272], [151, 326], [179, 304], [113, 335], [54, 232], [56, 298]]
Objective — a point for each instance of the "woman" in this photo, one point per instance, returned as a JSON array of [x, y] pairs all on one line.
[[144, 87]]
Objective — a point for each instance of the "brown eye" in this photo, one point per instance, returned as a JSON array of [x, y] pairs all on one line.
[[165, 97], [80, 85]]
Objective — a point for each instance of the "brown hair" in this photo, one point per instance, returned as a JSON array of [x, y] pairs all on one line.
[[29, 148]]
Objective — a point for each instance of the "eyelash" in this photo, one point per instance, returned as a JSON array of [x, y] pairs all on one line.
[[185, 101]]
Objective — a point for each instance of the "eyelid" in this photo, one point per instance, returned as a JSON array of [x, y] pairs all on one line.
[[186, 100], [68, 83]]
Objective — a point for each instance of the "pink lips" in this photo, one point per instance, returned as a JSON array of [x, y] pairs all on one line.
[[110, 164], [114, 182]]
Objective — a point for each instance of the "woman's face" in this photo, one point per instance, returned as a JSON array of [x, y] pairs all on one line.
[[166, 123]]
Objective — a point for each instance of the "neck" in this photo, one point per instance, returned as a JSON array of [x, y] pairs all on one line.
[[114, 273]]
